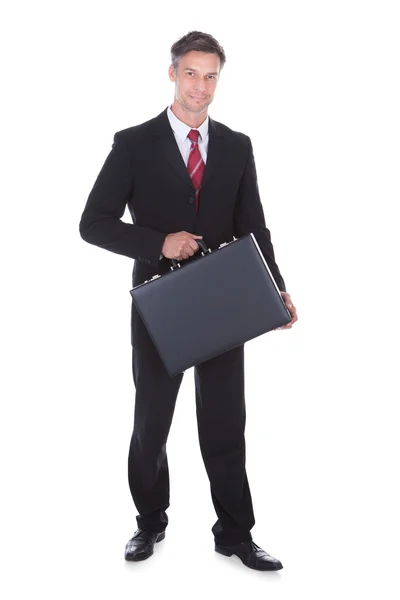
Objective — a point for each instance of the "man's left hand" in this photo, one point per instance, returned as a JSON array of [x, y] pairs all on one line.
[[291, 308]]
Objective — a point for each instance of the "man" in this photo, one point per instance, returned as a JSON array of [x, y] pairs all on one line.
[[184, 177]]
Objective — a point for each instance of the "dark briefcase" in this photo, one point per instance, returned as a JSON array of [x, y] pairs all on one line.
[[207, 306]]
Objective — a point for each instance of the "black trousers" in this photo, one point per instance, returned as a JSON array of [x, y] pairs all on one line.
[[221, 418]]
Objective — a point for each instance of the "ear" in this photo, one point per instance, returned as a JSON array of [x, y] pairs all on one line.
[[171, 73]]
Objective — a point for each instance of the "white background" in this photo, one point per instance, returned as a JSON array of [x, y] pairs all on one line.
[[316, 87]]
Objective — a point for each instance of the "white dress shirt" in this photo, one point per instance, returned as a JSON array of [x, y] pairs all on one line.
[[181, 131]]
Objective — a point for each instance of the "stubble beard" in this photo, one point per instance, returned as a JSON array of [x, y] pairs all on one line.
[[190, 108]]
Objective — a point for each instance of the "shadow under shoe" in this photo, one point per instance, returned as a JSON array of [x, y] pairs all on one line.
[[141, 545], [251, 555]]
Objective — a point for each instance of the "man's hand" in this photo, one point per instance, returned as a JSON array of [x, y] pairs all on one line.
[[180, 245], [291, 308]]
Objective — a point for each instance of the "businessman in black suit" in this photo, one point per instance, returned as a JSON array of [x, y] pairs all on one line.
[[184, 177]]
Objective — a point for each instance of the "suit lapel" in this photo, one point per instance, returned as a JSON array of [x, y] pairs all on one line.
[[214, 151], [165, 140]]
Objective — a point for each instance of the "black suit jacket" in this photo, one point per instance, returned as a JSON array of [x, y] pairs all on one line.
[[145, 171]]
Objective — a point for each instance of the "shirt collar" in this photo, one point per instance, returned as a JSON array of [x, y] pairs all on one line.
[[182, 130]]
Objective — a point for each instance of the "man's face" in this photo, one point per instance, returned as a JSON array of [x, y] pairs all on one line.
[[196, 80]]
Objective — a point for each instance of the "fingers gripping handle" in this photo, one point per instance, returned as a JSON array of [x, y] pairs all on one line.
[[204, 250]]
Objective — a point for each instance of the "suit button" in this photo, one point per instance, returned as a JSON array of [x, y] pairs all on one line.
[[191, 199]]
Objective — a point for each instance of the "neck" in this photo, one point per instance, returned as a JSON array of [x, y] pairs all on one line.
[[193, 119]]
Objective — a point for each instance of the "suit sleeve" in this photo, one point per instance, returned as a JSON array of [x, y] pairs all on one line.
[[249, 216], [101, 222]]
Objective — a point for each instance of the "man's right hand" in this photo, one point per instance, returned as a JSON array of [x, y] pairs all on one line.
[[180, 245]]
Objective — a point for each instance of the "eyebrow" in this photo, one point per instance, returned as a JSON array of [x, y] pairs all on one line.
[[196, 71]]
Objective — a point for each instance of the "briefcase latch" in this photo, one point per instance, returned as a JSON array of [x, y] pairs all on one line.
[[154, 277], [226, 243]]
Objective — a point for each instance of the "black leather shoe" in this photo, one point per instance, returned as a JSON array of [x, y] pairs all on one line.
[[141, 545], [251, 555]]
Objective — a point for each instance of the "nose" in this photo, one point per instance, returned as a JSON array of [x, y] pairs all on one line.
[[200, 87]]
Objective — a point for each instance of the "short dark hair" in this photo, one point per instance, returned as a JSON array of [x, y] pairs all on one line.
[[199, 41]]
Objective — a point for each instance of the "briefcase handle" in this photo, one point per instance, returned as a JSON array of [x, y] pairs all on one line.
[[203, 247]]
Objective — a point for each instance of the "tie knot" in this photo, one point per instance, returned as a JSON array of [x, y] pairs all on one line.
[[193, 135]]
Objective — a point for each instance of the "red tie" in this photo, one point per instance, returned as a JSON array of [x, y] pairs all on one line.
[[195, 163]]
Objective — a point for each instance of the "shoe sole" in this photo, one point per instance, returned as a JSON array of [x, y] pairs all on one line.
[[136, 559], [227, 552]]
